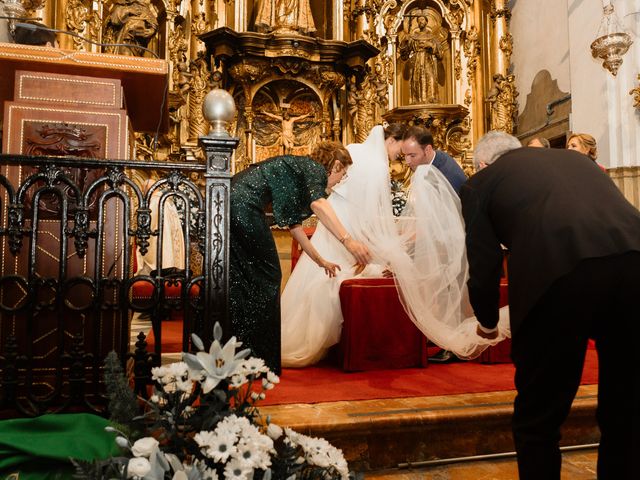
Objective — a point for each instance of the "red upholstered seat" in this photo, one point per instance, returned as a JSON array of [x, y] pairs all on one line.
[[142, 292], [377, 333]]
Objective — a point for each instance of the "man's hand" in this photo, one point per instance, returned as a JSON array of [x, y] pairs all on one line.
[[487, 335]]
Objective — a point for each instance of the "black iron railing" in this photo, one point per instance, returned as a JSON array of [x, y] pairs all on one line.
[[69, 230]]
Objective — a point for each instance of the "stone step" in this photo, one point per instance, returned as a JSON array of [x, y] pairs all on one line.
[[382, 434], [576, 465]]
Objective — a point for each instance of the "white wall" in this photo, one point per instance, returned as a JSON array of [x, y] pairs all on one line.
[[601, 102], [556, 35], [540, 42]]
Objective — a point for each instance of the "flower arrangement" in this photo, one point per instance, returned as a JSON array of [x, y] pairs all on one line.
[[202, 423]]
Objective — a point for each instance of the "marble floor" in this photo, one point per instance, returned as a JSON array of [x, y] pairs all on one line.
[[576, 465]]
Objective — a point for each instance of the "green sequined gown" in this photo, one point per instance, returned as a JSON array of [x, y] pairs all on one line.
[[289, 183]]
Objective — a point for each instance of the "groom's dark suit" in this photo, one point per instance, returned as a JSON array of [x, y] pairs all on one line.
[[574, 273]]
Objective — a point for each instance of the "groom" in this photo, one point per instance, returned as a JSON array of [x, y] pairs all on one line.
[[574, 274]]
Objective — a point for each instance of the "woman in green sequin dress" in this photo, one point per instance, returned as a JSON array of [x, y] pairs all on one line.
[[296, 188]]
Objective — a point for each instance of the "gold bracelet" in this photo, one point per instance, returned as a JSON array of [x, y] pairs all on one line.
[[344, 239]]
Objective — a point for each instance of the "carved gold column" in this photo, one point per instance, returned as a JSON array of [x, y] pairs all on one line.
[[500, 15], [201, 19], [502, 96]]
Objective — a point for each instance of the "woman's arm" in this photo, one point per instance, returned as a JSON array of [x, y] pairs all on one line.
[[325, 213], [301, 237]]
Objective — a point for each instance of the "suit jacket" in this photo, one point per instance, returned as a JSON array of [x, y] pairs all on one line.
[[450, 169], [551, 209]]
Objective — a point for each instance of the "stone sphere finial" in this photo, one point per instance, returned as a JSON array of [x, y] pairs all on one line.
[[219, 109]]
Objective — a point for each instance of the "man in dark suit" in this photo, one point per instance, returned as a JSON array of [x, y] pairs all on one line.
[[417, 147], [574, 274]]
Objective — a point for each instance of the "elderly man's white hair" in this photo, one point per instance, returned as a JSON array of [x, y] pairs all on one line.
[[491, 146]]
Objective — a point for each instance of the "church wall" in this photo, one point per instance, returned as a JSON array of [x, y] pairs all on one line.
[[602, 105], [556, 36], [540, 42]]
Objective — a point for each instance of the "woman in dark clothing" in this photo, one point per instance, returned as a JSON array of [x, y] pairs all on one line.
[[296, 188]]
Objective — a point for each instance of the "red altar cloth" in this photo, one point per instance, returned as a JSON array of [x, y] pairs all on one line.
[[377, 333]]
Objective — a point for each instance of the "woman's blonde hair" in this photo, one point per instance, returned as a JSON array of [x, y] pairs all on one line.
[[326, 153], [588, 142]]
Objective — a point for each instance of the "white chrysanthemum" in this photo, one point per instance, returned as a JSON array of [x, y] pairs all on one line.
[[252, 456], [254, 366], [204, 439], [222, 446], [233, 424], [235, 470], [273, 378], [185, 386], [267, 385], [158, 373], [292, 435], [178, 369], [237, 381]]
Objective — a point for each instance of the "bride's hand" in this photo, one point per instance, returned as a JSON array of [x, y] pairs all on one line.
[[329, 267], [358, 268], [358, 249]]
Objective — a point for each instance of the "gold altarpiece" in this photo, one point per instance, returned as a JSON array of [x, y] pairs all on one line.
[[302, 70]]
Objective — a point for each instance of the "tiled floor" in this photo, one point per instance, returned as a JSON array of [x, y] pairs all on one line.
[[576, 465]]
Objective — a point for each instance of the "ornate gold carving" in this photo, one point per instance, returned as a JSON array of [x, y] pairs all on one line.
[[457, 66], [499, 12], [285, 16], [471, 47], [506, 45], [201, 83], [503, 104], [178, 45], [77, 17], [134, 22], [636, 95], [360, 104], [255, 71], [199, 24]]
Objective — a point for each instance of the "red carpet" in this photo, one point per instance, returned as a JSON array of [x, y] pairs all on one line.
[[327, 383]]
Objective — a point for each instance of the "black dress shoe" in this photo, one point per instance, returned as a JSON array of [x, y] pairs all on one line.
[[444, 356]]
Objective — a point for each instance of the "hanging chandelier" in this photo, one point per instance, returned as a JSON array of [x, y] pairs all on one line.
[[612, 41]]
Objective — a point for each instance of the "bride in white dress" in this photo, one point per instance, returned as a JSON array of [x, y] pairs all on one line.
[[425, 249]]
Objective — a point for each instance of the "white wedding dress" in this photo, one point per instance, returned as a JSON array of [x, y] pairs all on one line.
[[425, 249]]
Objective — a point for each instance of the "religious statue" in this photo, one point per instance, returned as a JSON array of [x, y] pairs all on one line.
[[285, 16], [287, 136], [421, 46], [131, 22], [502, 101]]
